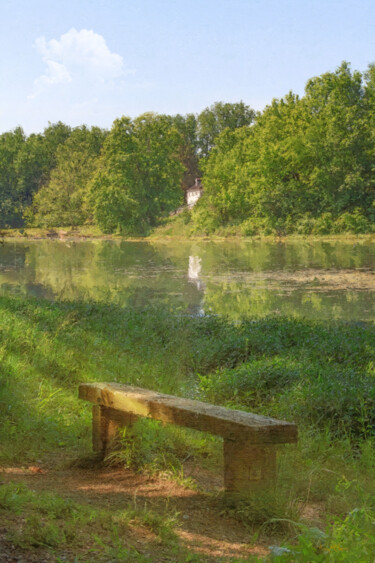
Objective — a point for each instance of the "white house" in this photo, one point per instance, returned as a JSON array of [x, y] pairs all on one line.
[[194, 193]]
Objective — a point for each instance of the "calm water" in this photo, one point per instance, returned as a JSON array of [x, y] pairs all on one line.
[[311, 279]]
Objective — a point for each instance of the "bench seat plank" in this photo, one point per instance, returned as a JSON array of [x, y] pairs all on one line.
[[231, 424]]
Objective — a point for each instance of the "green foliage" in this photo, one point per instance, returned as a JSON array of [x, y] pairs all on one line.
[[25, 165], [10, 200], [306, 165], [273, 512], [218, 118], [150, 447], [144, 446], [348, 539], [63, 200], [139, 174], [45, 520], [50, 520], [188, 147], [320, 374], [316, 373], [355, 222], [223, 200], [303, 165], [14, 496]]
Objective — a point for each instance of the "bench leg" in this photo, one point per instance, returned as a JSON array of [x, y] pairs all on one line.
[[105, 423], [247, 467], [103, 429]]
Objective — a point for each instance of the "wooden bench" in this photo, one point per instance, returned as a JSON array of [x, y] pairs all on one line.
[[249, 439]]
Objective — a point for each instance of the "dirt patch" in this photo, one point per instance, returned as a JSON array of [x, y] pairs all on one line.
[[203, 528]]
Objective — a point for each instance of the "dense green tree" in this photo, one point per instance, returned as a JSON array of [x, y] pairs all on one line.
[[63, 200], [305, 164], [257, 171], [277, 163], [338, 140], [139, 174], [38, 158], [369, 103], [11, 144], [25, 166], [218, 117], [225, 195], [55, 135], [33, 165]]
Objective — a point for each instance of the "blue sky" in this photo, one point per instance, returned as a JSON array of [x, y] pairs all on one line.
[[90, 61]]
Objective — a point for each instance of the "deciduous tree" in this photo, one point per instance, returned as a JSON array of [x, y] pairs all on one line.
[[139, 175]]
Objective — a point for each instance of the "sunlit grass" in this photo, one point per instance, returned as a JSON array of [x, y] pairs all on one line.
[[46, 520], [319, 374], [178, 227]]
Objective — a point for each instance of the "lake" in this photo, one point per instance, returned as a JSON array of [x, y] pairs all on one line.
[[314, 279]]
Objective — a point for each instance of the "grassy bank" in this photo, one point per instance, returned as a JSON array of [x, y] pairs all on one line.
[[183, 226], [320, 375], [172, 228]]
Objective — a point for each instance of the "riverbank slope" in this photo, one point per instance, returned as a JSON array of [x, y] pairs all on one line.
[[321, 375], [172, 229]]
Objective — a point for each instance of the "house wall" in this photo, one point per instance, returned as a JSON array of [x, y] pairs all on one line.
[[193, 196]]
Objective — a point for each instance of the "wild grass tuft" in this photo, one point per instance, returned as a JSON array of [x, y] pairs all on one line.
[[46, 520]]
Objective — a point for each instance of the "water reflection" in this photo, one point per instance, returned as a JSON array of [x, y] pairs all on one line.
[[194, 270], [312, 279]]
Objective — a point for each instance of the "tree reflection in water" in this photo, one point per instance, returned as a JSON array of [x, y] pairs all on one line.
[[314, 279]]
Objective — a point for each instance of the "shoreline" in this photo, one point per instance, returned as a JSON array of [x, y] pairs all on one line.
[[93, 234]]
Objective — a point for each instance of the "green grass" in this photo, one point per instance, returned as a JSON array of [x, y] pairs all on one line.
[[177, 227], [84, 231], [321, 375], [50, 522]]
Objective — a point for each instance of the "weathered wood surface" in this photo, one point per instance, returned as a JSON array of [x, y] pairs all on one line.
[[232, 425], [105, 423], [248, 467]]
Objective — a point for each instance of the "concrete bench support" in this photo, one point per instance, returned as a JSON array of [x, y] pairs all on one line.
[[249, 440]]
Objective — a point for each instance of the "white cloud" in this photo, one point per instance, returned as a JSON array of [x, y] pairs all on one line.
[[75, 56]]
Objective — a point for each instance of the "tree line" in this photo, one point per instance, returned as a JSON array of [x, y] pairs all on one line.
[[304, 164]]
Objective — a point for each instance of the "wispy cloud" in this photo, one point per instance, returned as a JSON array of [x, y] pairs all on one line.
[[75, 56]]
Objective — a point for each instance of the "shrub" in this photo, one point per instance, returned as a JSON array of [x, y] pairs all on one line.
[[354, 222]]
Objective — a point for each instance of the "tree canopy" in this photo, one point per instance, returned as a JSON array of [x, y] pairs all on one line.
[[217, 118], [304, 164], [139, 174], [64, 199]]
